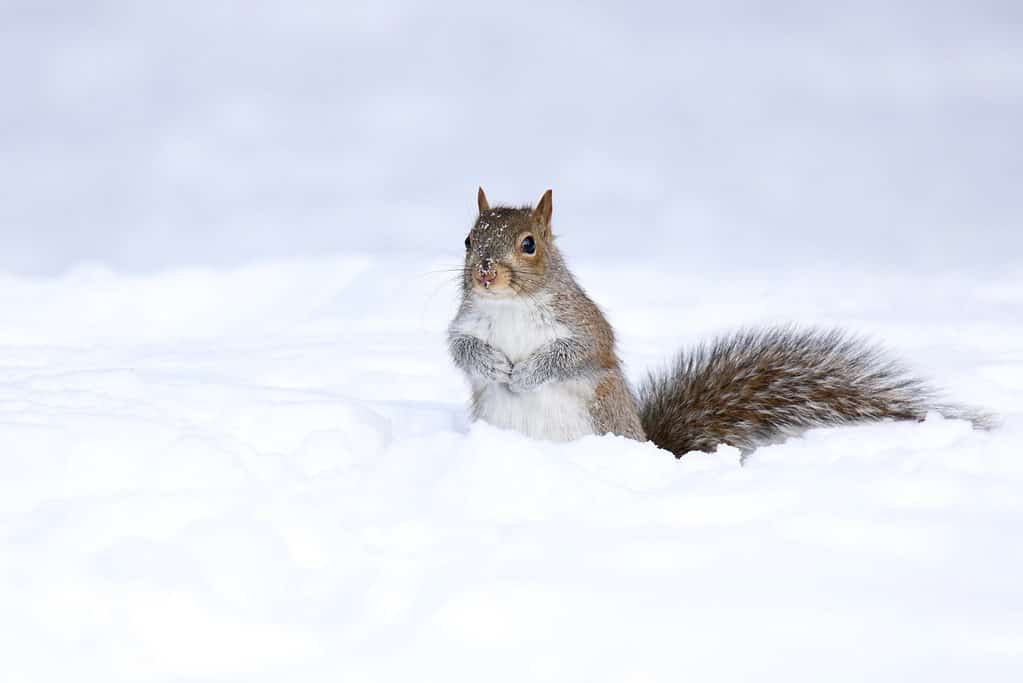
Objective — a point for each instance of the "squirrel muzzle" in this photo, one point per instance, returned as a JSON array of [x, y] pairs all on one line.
[[485, 273]]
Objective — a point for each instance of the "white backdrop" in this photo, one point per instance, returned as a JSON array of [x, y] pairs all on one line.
[[152, 135]]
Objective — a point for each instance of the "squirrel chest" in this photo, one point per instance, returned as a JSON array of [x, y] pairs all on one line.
[[515, 326], [556, 410]]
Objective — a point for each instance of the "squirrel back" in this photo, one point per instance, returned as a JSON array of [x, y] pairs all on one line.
[[540, 358]]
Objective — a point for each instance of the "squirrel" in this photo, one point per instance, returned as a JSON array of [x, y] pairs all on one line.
[[540, 359]]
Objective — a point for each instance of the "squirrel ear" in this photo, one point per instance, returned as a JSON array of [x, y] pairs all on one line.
[[481, 201], [542, 212]]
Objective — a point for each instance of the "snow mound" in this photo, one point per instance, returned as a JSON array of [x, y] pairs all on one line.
[[267, 474]]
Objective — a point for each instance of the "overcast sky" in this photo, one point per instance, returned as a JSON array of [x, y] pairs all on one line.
[[148, 135]]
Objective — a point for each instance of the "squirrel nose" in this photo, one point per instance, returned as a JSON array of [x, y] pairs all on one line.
[[486, 273]]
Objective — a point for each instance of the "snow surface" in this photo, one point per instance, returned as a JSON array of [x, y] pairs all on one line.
[[266, 474]]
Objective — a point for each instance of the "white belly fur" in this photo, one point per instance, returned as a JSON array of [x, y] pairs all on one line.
[[557, 411]]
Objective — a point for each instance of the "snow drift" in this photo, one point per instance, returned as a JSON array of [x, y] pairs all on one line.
[[267, 474]]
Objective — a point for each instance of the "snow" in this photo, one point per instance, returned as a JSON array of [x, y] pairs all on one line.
[[266, 473]]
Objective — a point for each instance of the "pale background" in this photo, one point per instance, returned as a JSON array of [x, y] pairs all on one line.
[[146, 136]]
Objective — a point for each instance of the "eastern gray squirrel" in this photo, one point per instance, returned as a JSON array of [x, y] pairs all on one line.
[[540, 358]]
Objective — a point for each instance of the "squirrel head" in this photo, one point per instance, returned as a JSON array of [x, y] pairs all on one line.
[[508, 250]]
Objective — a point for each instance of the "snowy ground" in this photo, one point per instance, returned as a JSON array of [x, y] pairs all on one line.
[[266, 474]]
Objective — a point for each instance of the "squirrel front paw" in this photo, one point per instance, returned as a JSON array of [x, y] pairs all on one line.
[[496, 367], [523, 378]]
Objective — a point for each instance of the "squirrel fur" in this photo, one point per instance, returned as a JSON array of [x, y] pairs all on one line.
[[540, 359]]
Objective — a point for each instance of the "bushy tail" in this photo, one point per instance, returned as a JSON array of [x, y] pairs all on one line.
[[752, 388]]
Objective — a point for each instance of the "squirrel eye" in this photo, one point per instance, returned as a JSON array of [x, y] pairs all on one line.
[[467, 242], [528, 245]]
